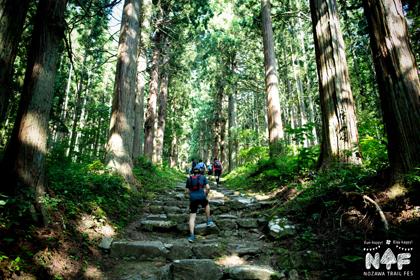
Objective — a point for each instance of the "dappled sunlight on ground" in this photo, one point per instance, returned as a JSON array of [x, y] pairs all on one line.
[[284, 192], [95, 227], [232, 260], [58, 262], [395, 191], [410, 214], [93, 273]]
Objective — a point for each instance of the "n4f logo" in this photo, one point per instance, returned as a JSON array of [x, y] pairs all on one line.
[[388, 259]]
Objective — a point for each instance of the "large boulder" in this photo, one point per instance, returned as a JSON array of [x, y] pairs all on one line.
[[200, 269], [142, 250], [251, 272]]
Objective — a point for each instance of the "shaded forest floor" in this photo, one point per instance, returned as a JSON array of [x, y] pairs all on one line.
[[332, 218]]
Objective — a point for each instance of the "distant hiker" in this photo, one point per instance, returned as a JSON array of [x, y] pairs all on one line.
[[209, 169], [201, 166], [217, 170], [198, 189], [193, 164]]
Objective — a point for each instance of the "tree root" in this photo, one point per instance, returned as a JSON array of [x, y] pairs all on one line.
[[378, 208]]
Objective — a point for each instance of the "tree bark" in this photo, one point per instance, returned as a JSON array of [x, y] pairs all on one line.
[[12, 18], [24, 160], [120, 141], [173, 158], [144, 43], [77, 109], [398, 82], [340, 136], [218, 122], [151, 114], [160, 133], [231, 129], [275, 125]]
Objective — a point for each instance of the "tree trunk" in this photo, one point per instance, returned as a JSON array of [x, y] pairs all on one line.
[[173, 154], [218, 121], [340, 136], [160, 133], [151, 115], [231, 128], [275, 126], [121, 134], [24, 160], [77, 110], [222, 139], [144, 44], [64, 108], [398, 81], [12, 18]]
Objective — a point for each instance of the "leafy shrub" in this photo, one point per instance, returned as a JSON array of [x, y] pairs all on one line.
[[374, 152], [253, 154], [307, 158]]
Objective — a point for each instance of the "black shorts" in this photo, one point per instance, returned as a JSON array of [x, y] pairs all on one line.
[[194, 204], [217, 172]]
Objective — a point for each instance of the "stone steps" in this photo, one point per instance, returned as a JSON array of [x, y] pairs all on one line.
[[180, 248], [233, 249], [192, 269]]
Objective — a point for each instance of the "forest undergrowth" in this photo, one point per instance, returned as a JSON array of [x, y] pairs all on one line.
[[85, 202], [334, 210]]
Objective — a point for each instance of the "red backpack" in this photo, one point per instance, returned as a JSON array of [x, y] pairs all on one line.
[[195, 183], [217, 165]]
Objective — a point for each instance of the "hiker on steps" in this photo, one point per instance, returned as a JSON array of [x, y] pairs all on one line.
[[198, 189], [201, 166], [217, 170]]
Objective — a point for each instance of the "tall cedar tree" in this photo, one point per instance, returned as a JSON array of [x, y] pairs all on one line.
[[24, 160], [275, 125], [398, 81], [120, 142], [144, 43], [339, 130], [151, 114], [218, 120], [161, 121], [12, 18]]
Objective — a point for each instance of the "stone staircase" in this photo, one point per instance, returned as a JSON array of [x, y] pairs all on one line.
[[156, 248]]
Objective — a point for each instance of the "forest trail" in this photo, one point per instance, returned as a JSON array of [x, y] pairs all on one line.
[[156, 246]]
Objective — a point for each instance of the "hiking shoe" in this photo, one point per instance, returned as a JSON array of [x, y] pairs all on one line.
[[191, 238], [210, 223]]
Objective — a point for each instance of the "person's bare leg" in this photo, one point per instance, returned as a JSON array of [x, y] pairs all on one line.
[[208, 210], [192, 222]]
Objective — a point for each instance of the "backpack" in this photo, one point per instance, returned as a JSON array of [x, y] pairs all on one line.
[[198, 185], [217, 165], [197, 189], [201, 166]]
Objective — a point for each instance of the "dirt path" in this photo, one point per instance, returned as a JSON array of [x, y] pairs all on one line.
[[156, 246]]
